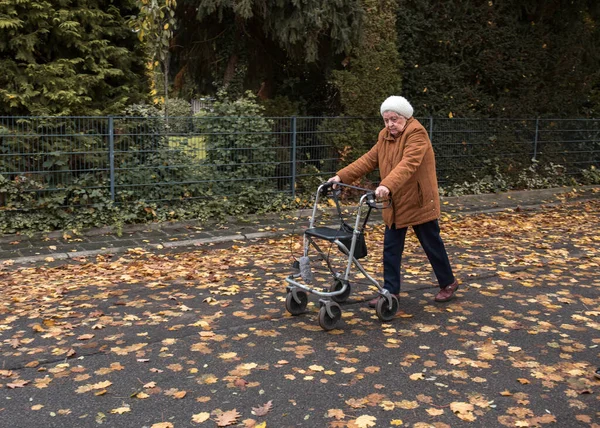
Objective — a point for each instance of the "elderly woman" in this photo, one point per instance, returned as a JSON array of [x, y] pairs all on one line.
[[404, 155]]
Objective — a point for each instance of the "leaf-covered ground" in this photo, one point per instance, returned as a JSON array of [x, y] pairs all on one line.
[[202, 338]]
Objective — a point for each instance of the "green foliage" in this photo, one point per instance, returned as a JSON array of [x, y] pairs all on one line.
[[371, 74], [178, 107], [29, 218], [155, 24], [267, 46], [239, 144], [280, 106], [68, 59], [352, 137], [179, 112], [296, 27], [535, 176], [500, 58], [372, 71], [591, 175]]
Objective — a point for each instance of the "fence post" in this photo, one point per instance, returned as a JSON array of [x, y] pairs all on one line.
[[293, 157], [431, 129], [111, 156], [535, 139]]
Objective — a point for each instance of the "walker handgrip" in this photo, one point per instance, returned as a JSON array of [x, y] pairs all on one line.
[[371, 200], [373, 203], [325, 186], [329, 186]]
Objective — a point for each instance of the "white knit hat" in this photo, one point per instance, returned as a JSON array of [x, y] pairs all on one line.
[[397, 104]]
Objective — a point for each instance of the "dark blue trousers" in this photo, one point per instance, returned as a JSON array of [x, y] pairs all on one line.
[[431, 241]]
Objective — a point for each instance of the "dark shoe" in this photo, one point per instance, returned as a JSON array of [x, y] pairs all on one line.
[[447, 293], [597, 373], [373, 302]]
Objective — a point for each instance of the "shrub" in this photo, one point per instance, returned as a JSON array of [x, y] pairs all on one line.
[[240, 147]]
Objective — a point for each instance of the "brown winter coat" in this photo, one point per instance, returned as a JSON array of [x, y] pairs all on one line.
[[407, 167]]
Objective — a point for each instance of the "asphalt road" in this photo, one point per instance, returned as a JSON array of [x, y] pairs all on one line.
[[202, 338]]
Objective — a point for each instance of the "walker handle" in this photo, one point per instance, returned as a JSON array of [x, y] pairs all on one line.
[[328, 186], [374, 203]]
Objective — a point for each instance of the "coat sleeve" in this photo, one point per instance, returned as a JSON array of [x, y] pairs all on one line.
[[415, 147], [361, 166]]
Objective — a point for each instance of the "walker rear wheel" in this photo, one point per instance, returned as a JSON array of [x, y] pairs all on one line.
[[385, 312], [296, 305], [329, 315], [338, 285]]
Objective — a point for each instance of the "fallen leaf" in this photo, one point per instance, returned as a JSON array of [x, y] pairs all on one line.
[[121, 410], [365, 421], [227, 418], [336, 413], [85, 337], [264, 409], [17, 384], [200, 417]]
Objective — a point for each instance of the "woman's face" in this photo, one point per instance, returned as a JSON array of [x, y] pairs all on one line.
[[394, 122]]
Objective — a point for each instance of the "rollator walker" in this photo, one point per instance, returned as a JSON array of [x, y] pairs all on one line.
[[351, 242]]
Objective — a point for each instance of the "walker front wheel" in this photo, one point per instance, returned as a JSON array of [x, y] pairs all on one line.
[[385, 312], [296, 301], [329, 315], [337, 285]]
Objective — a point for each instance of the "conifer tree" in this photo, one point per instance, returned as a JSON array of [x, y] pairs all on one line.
[[373, 71], [75, 57], [248, 44], [512, 58]]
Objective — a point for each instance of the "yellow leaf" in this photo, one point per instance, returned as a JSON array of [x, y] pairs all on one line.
[[365, 421], [200, 417], [179, 394], [228, 355], [460, 407], [121, 410], [387, 405], [396, 422], [450, 115], [407, 404], [102, 385]]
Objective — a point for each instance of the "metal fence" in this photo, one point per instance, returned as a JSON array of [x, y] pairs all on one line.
[[78, 160]]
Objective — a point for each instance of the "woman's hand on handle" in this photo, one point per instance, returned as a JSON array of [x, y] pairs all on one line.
[[335, 179], [382, 192]]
